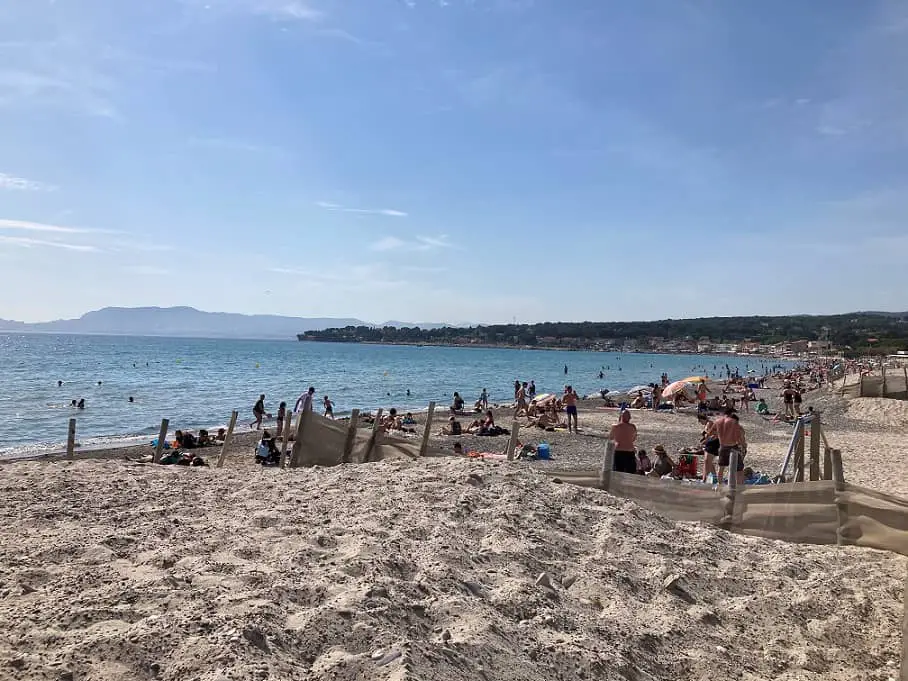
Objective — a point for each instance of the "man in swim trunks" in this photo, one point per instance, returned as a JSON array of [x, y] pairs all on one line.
[[569, 400], [624, 435], [521, 400], [258, 411], [731, 438]]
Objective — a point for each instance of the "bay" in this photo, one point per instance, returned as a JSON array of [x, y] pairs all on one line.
[[198, 382]]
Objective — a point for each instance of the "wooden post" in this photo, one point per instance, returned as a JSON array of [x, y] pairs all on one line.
[[297, 452], [351, 436], [71, 440], [799, 456], [883, 384], [285, 439], [376, 430], [227, 438], [827, 463], [608, 465], [838, 476], [731, 491], [904, 666], [512, 441], [816, 430], [162, 439], [424, 445], [861, 386], [905, 371]]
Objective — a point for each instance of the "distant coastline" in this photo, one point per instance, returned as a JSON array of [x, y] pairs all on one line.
[[547, 348]]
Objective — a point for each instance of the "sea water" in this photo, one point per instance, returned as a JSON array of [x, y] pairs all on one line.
[[198, 382]]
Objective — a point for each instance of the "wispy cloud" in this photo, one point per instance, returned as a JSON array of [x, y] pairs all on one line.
[[363, 211], [14, 183], [355, 278], [277, 10], [28, 242], [41, 227], [418, 243]]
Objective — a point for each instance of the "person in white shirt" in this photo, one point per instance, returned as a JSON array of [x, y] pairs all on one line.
[[304, 403]]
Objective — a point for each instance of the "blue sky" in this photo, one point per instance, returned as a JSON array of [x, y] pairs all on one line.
[[454, 160]]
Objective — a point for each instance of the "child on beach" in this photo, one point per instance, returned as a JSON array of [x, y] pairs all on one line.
[[329, 407], [281, 415]]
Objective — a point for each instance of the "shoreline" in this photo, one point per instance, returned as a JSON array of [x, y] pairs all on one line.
[[555, 348]]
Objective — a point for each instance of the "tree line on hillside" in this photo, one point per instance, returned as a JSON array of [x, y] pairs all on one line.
[[862, 332]]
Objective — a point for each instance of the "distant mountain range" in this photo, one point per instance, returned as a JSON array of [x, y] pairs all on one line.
[[187, 322]]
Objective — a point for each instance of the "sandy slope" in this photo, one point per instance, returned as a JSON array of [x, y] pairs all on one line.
[[393, 571]]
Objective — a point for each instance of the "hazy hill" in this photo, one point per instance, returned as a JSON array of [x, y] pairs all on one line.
[[180, 322]]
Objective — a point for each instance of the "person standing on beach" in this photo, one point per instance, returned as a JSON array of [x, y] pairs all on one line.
[[565, 369], [258, 411], [531, 391], [484, 399], [569, 400], [788, 401], [657, 396], [624, 435], [329, 407], [731, 438], [521, 400], [281, 416], [797, 401], [304, 402]]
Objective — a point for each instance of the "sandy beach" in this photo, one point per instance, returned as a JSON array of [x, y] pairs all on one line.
[[437, 569]]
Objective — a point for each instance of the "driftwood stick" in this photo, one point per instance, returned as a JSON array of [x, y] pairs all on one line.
[[162, 440], [424, 445], [227, 438], [351, 436], [71, 439]]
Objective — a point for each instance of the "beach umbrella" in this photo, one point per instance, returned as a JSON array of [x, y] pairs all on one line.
[[694, 379], [677, 387]]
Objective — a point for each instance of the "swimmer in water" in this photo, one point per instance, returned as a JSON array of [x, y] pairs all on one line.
[[81, 403], [99, 382], [59, 384], [131, 399]]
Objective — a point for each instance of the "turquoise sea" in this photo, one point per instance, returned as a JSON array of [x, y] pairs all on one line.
[[198, 382]]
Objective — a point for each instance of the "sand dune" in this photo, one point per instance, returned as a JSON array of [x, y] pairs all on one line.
[[433, 570]]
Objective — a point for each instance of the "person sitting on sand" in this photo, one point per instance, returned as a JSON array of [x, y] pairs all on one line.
[[266, 452], [762, 407], [185, 440], [457, 404], [638, 402], [204, 438], [409, 420], [458, 449], [644, 465], [221, 436], [391, 421], [453, 427], [663, 464]]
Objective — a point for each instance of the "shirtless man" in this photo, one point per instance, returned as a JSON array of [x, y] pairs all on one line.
[[521, 400], [624, 435], [657, 397], [731, 437], [570, 406]]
